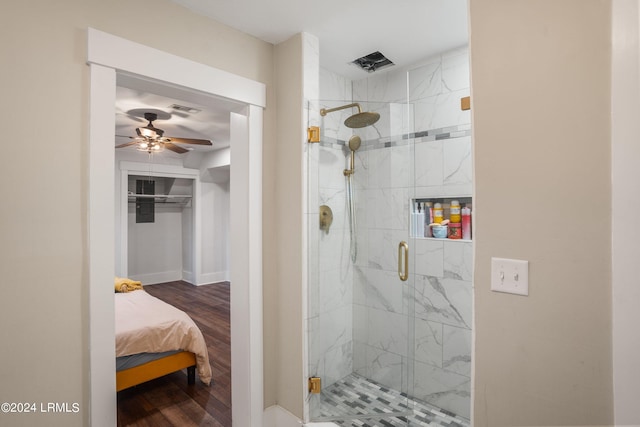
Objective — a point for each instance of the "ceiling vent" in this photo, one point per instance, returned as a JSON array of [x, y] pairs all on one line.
[[372, 62], [184, 108]]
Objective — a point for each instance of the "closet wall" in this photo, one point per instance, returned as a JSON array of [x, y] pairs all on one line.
[[169, 248], [155, 249]]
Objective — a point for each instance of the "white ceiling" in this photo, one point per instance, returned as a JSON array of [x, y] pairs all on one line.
[[405, 31]]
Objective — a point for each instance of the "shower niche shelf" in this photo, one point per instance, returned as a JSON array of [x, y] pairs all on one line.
[[415, 229]]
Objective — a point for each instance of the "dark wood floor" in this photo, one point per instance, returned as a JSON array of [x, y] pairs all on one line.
[[170, 401]]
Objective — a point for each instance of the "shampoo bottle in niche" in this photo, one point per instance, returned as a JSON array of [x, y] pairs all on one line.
[[428, 218], [437, 213], [419, 232], [414, 213], [454, 211], [466, 223]]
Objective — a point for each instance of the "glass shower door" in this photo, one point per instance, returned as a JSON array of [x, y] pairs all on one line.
[[360, 283]]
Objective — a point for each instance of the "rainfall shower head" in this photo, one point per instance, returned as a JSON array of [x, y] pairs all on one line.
[[358, 120], [361, 120], [354, 143]]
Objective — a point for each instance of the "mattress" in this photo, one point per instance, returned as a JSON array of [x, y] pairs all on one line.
[[146, 324], [131, 361]]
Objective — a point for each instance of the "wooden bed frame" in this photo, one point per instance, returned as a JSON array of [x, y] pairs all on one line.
[[156, 369]]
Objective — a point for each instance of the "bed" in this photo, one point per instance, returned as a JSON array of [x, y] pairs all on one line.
[[154, 339]]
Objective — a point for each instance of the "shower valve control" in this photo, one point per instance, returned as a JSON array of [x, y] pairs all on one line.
[[510, 276]]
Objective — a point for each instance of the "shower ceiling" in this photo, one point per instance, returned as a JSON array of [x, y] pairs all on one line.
[[406, 31]]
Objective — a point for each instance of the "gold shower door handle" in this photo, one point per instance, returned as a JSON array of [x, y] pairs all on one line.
[[403, 249]]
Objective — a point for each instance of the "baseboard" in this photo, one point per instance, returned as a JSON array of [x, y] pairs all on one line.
[[215, 277], [153, 278], [187, 276]]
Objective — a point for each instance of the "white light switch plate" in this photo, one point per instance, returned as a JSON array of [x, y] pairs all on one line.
[[510, 276]]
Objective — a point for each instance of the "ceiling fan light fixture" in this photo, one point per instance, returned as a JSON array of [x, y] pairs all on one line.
[[151, 139], [147, 133], [150, 147]]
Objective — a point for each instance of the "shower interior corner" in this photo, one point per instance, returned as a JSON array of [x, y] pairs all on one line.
[[387, 349]]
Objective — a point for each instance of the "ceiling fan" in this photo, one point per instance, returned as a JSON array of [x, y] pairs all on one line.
[[152, 140]]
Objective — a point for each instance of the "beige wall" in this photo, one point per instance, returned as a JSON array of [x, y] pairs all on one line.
[[541, 117], [45, 89]]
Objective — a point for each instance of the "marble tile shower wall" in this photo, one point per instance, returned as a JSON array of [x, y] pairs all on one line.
[[358, 319]]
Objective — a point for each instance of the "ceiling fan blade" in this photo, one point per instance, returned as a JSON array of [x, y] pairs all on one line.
[[191, 141], [126, 144], [175, 148]]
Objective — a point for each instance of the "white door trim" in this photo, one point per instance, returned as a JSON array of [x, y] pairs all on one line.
[[107, 55]]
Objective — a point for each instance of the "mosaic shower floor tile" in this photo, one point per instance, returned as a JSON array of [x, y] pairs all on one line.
[[355, 398]]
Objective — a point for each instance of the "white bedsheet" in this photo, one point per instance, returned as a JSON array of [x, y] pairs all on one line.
[[145, 324]]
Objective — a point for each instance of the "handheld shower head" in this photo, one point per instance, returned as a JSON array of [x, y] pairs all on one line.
[[354, 143], [358, 120]]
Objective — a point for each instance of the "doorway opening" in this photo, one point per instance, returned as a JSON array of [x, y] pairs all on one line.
[[109, 57]]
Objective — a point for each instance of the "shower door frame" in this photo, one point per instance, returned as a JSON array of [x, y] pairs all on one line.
[[399, 219]]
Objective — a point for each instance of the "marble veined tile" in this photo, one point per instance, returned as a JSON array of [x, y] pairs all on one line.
[[379, 168], [429, 257], [458, 260], [428, 163], [332, 125], [335, 289], [388, 331], [386, 368], [424, 111], [428, 342], [360, 178], [315, 356], [338, 363], [425, 80], [311, 49], [359, 90], [400, 161], [360, 323], [445, 300], [385, 87], [333, 250], [332, 163], [360, 282], [383, 248], [334, 87], [389, 207], [455, 72], [441, 388], [447, 110], [457, 161], [384, 290], [456, 352], [333, 329], [335, 198]]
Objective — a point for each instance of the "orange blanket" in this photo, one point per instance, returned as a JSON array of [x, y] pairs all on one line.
[[145, 324]]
